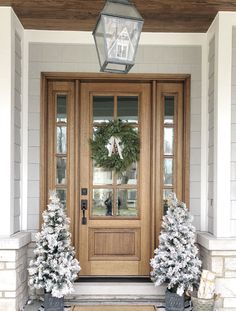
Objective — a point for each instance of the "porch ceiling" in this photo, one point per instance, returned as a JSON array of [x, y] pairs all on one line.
[[159, 15]]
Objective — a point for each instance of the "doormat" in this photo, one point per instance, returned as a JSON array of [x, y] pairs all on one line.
[[114, 308]]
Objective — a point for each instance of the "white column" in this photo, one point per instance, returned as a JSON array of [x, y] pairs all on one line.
[[222, 126], [204, 138], [6, 123]]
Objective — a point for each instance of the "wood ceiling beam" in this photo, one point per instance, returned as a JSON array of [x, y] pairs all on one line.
[[159, 15]]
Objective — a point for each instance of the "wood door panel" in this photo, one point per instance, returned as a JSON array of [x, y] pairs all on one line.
[[109, 240], [114, 244], [114, 268]]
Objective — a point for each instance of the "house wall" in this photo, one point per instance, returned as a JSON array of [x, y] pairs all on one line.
[[83, 58], [233, 137], [211, 79]]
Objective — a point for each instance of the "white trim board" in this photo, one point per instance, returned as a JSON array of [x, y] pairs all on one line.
[[85, 37]]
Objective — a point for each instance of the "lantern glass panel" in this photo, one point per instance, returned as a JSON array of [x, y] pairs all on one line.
[[99, 40], [121, 38]]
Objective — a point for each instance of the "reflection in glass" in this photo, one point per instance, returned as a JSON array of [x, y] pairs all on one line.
[[169, 110], [61, 139], [101, 176], [127, 108], [166, 193], [168, 140], [165, 206], [62, 196], [61, 108], [129, 177], [103, 108], [102, 202], [168, 172], [61, 171], [127, 202]]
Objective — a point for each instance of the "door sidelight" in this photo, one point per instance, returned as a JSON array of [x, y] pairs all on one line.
[[84, 207]]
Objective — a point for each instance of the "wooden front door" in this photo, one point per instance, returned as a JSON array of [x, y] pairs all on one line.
[[123, 213], [116, 237]]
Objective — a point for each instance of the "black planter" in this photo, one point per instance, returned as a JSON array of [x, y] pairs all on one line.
[[53, 303], [173, 301]]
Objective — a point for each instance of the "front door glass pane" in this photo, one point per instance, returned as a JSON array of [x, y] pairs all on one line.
[[62, 196], [168, 140], [61, 108], [61, 139], [127, 202], [169, 110], [61, 171], [101, 176], [168, 172], [102, 204], [103, 108], [129, 177], [127, 108]]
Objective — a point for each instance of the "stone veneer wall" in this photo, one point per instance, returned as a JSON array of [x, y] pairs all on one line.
[[219, 256], [13, 272]]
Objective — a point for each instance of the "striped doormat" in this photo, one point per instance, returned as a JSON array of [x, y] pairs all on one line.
[[113, 308]]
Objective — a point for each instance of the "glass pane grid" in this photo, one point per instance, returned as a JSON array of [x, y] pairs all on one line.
[[168, 147], [113, 196], [61, 147]]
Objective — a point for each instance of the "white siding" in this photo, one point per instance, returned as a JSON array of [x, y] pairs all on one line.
[[83, 58]]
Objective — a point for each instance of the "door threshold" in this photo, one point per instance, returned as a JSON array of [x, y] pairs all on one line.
[[109, 279]]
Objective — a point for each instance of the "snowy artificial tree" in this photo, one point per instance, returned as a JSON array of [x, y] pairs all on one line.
[[175, 261], [54, 267]]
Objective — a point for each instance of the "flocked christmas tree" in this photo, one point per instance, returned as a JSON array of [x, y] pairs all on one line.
[[175, 261], [54, 267]]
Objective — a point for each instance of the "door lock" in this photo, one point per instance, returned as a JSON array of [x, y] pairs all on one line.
[[84, 207]]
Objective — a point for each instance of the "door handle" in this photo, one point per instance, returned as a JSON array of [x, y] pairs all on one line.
[[84, 207]]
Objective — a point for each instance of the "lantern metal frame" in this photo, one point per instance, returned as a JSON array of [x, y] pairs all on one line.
[[116, 62]]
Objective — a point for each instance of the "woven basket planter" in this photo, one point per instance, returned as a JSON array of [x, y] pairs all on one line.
[[200, 304], [53, 303], [173, 301]]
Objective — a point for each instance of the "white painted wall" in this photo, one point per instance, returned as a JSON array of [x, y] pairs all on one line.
[[66, 57]]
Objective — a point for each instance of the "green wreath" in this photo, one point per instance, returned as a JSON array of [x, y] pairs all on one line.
[[115, 146]]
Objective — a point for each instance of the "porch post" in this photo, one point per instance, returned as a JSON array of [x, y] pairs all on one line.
[[222, 127], [6, 123]]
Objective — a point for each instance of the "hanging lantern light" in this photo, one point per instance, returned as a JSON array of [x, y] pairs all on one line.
[[116, 36]]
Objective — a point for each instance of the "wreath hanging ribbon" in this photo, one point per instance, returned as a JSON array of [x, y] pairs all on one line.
[[115, 146]]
